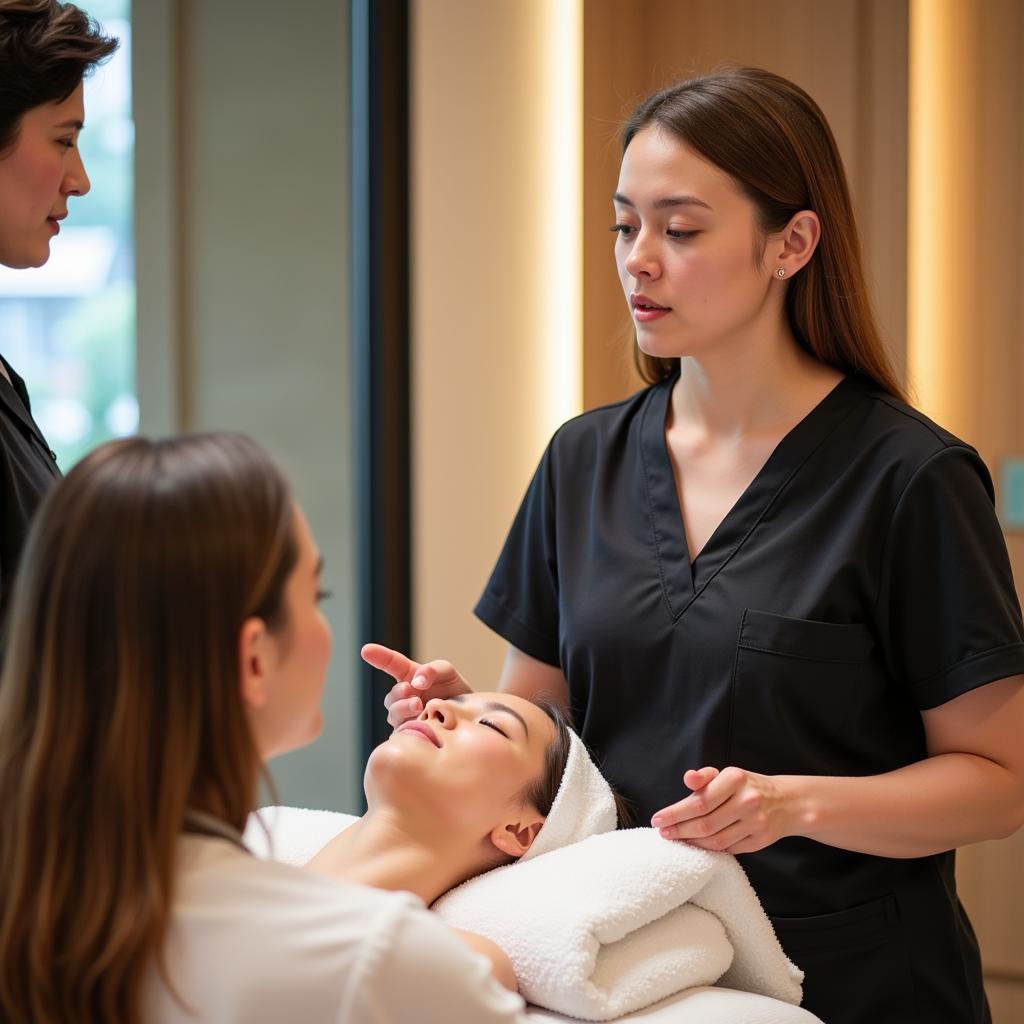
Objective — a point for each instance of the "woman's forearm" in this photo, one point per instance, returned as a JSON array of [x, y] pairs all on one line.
[[937, 804]]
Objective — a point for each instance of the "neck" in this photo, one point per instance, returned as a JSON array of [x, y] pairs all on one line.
[[383, 849], [746, 388]]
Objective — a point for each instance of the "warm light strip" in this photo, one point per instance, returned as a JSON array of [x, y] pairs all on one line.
[[936, 168], [560, 232]]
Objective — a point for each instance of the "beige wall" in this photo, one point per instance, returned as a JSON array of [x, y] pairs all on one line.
[[966, 311], [242, 213], [482, 399]]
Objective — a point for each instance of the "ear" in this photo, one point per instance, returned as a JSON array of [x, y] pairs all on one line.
[[252, 663], [792, 247], [514, 838]]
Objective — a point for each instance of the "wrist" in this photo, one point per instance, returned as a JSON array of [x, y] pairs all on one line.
[[802, 804]]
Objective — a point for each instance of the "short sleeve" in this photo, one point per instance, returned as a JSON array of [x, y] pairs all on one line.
[[429, 976], [948, 611], [520, 601]]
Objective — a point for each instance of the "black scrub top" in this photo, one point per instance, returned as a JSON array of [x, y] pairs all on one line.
[[861, 578], [28, 468]]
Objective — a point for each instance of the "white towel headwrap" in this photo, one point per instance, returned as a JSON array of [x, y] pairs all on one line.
[[583, 806]]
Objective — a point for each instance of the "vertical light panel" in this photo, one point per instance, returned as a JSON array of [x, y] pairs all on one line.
[[562, 228], [496, 139], [941, 183]]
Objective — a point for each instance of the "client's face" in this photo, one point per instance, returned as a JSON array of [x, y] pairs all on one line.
[[464, 763]]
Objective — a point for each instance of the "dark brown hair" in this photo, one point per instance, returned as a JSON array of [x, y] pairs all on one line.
[[772, 139], [540, 794], [46, 49], [120, 707]]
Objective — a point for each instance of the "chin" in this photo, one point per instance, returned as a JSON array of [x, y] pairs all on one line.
[[24, 261], [659, 349]]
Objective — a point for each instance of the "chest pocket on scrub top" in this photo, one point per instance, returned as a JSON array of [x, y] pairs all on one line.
[[800, 689]]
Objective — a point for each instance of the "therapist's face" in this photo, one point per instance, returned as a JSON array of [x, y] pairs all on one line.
[[685, 249], [464, 762], [37, 176]]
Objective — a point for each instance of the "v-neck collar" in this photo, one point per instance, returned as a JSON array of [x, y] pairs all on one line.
[[683, 581]]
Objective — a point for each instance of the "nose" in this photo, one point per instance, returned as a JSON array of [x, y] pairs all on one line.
[[76, 181], [440, 712], [641, 260]]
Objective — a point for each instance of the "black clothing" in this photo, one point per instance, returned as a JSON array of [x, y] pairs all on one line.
[[861, 578], [28, 468]]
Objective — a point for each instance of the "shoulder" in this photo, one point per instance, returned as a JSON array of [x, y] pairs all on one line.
[[905, 429], [901, 442], [606, 428], [290, 907], [287, 942]]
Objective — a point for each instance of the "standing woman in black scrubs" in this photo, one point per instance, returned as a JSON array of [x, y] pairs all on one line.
[[46, 49], [766, 578]]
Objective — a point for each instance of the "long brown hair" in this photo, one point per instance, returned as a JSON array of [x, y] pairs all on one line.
[[46, 49], [120, 707], [772, 139]]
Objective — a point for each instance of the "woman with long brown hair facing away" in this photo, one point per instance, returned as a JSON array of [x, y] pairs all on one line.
[[166, 641], [46, 49], [768, 579]]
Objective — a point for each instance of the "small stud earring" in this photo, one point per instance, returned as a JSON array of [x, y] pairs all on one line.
[[781, 271]]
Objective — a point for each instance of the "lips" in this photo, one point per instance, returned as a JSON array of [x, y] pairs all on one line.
[[642, 302], [422, 729]]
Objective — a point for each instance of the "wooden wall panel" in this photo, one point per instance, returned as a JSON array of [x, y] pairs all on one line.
[[1006, 1000], [982, 249]]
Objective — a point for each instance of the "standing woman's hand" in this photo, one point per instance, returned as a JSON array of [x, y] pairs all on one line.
[[415, 683], [732, 810]]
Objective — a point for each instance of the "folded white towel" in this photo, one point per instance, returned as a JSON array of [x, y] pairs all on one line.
[[612, 924]]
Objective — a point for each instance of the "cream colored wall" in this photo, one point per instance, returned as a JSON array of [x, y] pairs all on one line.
[[966, 311], [482, 303], [242, 214]]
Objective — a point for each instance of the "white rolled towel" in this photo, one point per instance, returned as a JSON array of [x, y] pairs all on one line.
[[609, 925]]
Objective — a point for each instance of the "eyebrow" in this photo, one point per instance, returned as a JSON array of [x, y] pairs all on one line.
[[496, 705], [79, 125], [662, 204], [319, 566]]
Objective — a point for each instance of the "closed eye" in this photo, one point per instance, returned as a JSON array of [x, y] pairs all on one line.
[[491, 725]]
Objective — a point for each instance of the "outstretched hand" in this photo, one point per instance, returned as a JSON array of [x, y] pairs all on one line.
[[415, 682], [732, 810]]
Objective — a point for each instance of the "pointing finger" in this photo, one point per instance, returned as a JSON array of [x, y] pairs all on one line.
[[396, 664]]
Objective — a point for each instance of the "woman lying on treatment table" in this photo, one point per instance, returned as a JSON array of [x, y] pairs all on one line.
[[455, 792], [489, 808]]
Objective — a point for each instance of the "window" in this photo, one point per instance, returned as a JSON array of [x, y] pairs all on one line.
[[68, 327]]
